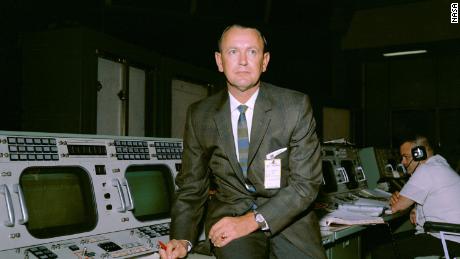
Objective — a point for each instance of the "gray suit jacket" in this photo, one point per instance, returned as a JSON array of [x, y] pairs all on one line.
[[282, 118]]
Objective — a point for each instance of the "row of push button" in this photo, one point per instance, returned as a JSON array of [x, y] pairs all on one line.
[[131, 150], [156, 230], [130, 252], [32, 149], [42, 252], [133, 157], [168, 150], [130, 143], [167, 144], [33, 157], [31, 141], [170, 156]]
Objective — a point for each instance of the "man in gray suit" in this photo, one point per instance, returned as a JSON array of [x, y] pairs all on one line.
[[255, 143]]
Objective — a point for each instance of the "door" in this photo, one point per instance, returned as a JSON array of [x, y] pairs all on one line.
[[120, 99]]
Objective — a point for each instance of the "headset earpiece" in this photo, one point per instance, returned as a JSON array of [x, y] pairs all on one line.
[[419, 153]]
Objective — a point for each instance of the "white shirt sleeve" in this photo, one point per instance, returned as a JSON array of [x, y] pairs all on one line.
[[418, 187]]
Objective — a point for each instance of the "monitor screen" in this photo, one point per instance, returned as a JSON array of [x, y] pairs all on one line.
[[152, 191], [330, 183], [351, 174], [59, 200]]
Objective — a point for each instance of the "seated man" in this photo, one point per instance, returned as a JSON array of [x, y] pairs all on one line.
[[434, 188]]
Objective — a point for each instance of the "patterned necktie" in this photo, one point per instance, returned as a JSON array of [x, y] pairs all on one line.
[[243, 139]]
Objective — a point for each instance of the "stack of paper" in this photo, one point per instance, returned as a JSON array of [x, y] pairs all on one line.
[[373, 211], [371, 203], [376, 192], [346, 217]]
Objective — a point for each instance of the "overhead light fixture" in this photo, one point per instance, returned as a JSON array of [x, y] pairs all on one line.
[[401, 53]]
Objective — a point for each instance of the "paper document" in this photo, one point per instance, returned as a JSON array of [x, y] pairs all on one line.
[[378, 193], [371, 202], [368, 210], [345, 217]]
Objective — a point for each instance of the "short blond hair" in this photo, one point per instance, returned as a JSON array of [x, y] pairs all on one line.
[[219, 42]]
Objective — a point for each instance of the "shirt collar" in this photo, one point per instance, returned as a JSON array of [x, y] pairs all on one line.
[[234, 103]]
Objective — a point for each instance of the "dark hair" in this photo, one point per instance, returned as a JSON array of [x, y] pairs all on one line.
[[418, 140], [245, 26]]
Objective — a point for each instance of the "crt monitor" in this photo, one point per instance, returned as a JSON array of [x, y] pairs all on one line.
[[351, 174], [330, 182], [60, 201], [152, 190]]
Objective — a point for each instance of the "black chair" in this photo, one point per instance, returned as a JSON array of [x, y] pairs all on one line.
[[443, 229]]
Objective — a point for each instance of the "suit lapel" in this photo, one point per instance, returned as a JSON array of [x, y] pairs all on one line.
[[260, 121], [222, 119]]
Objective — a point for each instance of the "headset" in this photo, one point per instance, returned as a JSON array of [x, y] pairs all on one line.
[[418, 153]]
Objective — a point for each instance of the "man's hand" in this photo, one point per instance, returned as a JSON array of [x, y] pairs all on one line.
[[399, 202], [394, 198], [230, 228], [174, 249], [413, 216]]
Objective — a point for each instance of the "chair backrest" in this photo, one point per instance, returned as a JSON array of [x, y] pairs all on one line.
[[443, 229]]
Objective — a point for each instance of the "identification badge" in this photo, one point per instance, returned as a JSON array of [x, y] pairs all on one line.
[[272, 174]]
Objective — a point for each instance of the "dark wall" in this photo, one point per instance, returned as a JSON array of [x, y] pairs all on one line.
[[414, 95], [10, 72]]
